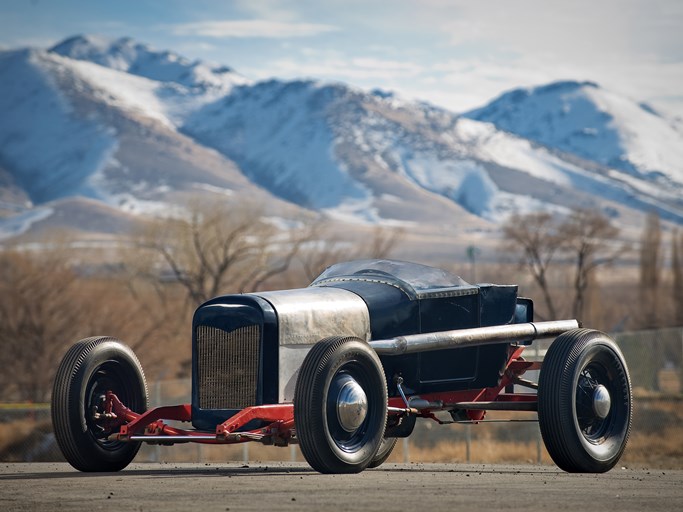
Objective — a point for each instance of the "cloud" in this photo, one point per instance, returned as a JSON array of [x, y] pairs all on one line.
[[361, 70], [251, 29], [577, 31]]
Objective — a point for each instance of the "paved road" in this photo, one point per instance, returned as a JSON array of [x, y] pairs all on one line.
[[294, 486]]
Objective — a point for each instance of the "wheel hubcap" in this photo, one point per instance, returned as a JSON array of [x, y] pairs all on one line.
[[601, 401], [352, 404]]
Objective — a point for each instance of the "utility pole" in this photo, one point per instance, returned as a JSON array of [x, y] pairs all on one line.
[[472, 253]]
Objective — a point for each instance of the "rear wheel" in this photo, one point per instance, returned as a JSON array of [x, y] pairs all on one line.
[[584, 402], [385, 449], [89, 369], [396, 427], [340, 405]]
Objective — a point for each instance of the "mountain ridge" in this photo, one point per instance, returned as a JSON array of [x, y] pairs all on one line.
[[133, 127]]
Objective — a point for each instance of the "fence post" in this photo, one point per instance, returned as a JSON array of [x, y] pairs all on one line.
[[539, 452], [156, 453], [468, 442]]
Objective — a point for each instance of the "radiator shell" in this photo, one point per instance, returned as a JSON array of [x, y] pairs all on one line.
[[247, 349]]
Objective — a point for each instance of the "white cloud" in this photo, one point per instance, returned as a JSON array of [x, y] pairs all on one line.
[[388, 66], [251, 29], [268, 9], [578, 31], [359, 70]]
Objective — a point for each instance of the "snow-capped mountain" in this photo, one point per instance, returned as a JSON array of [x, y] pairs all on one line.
[[328, 145], [136, 129], [73, 128], [584, 119], [140, 59]]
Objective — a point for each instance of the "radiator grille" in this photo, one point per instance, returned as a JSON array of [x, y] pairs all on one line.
[[227, 367]]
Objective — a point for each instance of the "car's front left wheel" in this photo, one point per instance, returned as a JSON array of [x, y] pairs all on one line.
[[90, 368]]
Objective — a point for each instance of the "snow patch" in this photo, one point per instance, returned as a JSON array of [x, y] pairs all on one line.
[[21, 223], [213, 189]]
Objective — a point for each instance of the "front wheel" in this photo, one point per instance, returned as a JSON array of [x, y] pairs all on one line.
[[584, 402], [89, 369], [340, 405]]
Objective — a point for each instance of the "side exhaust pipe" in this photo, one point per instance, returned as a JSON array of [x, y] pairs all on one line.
[[509, 333]]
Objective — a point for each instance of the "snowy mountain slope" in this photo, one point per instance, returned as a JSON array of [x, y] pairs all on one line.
[[522, 167], [81, 214], [73, 128], [50, 150], [286, 137], [139, 59], [159, 84], [279, 131], [472, 162], [326, 145], [282, 133], [273, 133], [140, 130], [584, 119], [13, 198]]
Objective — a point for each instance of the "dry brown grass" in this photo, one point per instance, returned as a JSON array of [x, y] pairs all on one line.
[[661, 450], [14, 433]]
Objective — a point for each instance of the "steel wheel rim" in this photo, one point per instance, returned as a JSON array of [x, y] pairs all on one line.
[[106, 377], [594, 423], [348, 439]]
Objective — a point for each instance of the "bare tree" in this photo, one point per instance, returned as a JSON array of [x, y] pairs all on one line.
[[327, 247], [586, 237], [34, 324], [220, 249], [537, 238], [677, 267], [46, 304], [582, 240], [650, 270]]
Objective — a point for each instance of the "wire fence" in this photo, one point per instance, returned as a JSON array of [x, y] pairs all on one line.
[[654, 358]]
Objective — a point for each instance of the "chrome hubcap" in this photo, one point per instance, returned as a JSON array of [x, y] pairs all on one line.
[[352, 404], [601, 401]]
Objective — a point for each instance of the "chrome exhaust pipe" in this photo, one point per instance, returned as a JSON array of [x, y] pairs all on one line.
[[509, 333]]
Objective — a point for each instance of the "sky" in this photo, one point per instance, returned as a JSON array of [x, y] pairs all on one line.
[[456, 54]]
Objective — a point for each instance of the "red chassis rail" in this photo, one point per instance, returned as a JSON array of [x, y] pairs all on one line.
[[151, 426]]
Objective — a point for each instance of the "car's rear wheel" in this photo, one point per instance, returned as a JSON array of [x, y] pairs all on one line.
[[89, 369], [584, 402], [340, 405], [396, 427], [384, 452]]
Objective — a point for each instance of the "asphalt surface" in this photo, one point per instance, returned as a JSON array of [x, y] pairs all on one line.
[[293, 486]]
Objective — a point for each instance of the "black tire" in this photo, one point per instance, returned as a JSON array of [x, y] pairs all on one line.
[[330, 367], [385, 448], [90, 368], [582, 431]]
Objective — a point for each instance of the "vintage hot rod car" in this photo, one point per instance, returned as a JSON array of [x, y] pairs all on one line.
[[345, 366]]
